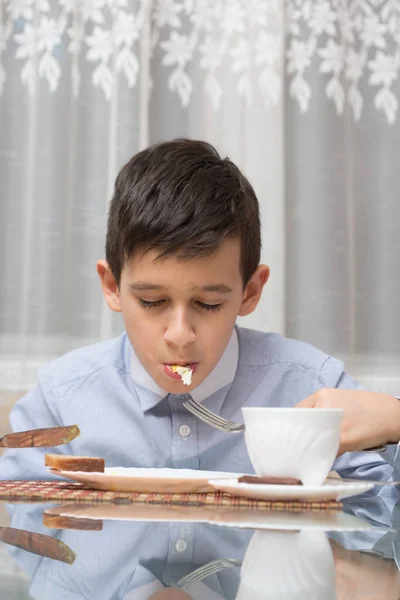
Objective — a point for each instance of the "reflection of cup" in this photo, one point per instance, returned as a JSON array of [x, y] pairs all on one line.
[[288, 565], [293, 442]]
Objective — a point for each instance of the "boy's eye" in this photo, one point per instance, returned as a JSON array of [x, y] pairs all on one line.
[[158, 303], [209, 307], [148, 304]]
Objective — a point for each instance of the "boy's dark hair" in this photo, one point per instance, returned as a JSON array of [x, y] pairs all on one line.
[[182, 197]]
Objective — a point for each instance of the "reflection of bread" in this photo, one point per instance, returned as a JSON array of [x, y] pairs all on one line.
[[61, 522], [64, 462]]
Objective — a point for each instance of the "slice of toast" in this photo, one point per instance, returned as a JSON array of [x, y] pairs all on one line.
[[63, 462]]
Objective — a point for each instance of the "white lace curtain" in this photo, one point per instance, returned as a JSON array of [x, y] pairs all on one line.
[[302, 94], [349, 41]]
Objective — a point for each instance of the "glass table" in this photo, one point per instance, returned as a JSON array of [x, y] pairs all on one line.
[[106, 551]]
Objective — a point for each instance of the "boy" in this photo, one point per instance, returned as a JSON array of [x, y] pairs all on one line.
[[182, 262]]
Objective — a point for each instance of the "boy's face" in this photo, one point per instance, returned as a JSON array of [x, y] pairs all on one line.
[[182, 311]]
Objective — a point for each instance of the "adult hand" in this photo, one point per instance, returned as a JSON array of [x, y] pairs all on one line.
[[370, 419]]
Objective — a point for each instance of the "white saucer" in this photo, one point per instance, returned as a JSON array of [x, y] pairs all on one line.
[[330, 490]]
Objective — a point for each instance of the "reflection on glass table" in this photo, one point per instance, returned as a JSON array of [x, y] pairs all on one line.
[[145, 552]]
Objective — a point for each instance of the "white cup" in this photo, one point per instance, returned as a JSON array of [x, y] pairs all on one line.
[[293, 442]]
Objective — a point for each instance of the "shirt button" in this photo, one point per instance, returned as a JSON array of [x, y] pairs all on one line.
[[181, 545], [184, 431]]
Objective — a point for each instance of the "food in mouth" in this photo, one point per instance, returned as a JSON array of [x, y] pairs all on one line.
[[184, 372]]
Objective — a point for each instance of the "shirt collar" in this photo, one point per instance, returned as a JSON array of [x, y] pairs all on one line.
[[222, 375]]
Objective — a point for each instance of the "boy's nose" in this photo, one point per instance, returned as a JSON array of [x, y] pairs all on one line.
[[179, 331]]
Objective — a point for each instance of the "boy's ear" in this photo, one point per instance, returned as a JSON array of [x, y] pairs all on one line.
[[252, 291], [109, 285]]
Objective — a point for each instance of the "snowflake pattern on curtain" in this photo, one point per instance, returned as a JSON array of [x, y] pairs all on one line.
[[352, 42]]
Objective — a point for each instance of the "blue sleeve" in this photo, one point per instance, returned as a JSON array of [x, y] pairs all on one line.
[[389, 544], [30, 412], [392, 456]]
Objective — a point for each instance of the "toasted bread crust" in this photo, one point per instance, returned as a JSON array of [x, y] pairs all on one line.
[[62, 522], [63, 462]]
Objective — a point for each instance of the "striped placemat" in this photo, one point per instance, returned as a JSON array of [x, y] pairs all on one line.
[[45, 491]]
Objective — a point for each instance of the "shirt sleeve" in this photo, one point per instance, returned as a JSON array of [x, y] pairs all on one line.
[[33, 411], [392, 456]]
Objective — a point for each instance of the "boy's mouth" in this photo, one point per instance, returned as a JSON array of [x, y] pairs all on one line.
[[180, 370]]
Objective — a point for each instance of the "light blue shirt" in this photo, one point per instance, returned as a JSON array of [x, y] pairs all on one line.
[[130, 425]]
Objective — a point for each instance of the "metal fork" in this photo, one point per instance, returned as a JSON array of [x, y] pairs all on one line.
[[207, 570], [209, 417]]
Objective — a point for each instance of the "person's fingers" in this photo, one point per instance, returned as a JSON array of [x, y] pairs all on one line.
[[354, 443], [308, 402]]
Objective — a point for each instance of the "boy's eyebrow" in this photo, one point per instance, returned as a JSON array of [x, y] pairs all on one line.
[[213, 287], [143, 285], [217, 287]]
